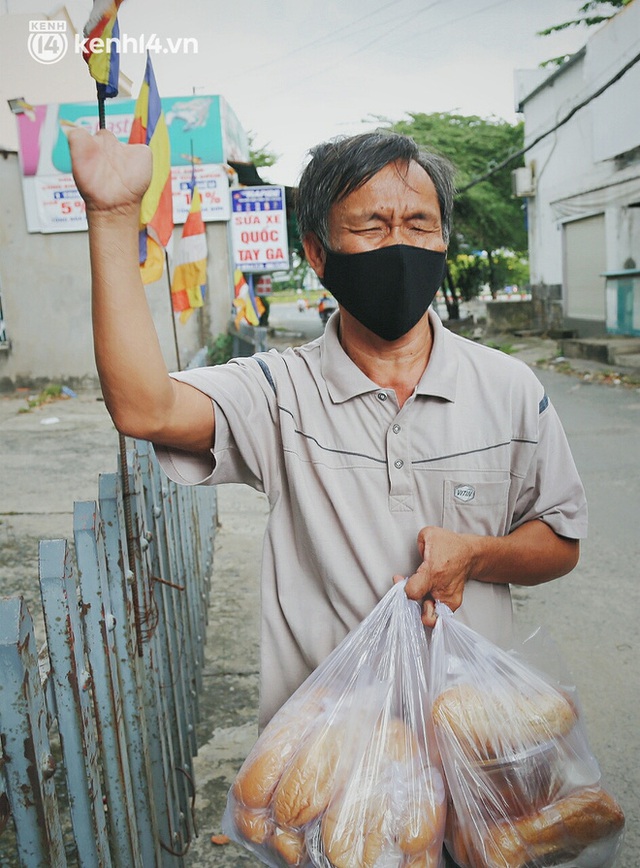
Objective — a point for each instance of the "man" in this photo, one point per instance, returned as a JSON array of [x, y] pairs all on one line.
[[388, 447]]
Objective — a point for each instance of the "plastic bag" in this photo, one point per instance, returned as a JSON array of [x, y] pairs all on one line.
[[346, 774], [524, 787]]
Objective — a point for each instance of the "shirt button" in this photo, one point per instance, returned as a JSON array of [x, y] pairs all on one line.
[[381, 396], [396, 429], [398, 463]]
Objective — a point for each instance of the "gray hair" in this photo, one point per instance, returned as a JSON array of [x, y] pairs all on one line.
[[342, 165]]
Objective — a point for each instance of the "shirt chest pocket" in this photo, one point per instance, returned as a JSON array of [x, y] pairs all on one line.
[[476, 507]]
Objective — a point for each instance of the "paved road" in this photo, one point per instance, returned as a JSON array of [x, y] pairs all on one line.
[[593, 613]]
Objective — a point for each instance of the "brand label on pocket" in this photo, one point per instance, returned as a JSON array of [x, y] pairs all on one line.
[[465, 493]]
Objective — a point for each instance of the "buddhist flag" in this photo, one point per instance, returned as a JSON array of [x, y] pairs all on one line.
[[156, 211], [247, 306], [190, 273], [100, 47]]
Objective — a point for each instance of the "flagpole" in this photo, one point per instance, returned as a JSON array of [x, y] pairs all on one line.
[[124, 472], [173, 316]]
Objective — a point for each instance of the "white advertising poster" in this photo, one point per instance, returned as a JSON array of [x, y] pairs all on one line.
[[213, 184], [196, 134], [60, 207], [259, 229]]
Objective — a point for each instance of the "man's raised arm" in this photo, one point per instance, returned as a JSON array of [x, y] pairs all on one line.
[[140, 396]]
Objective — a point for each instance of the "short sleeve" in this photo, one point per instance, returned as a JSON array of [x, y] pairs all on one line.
[[552, 490], [245, 428]]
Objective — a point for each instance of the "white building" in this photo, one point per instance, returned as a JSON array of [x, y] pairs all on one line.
[[582, 179]]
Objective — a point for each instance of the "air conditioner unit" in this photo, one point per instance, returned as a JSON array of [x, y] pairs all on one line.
[[523, 182]]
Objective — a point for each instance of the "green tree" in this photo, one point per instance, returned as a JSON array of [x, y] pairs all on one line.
[[487, 217], [259, 154]]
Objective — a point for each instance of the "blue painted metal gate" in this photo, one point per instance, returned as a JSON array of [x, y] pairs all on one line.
[[98, 729]]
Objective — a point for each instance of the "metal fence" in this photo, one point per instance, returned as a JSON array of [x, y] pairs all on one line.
[[98, 729]]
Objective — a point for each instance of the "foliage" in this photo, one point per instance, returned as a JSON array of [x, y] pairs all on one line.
[[470, 272], [52, 392], [220, 349], [587, 19], [259, 154], [486, 216]]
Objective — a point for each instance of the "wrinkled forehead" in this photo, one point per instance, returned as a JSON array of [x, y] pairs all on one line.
[[396, 186], [408, 172]]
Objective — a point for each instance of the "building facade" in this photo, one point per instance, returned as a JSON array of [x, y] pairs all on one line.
[[581, 179]]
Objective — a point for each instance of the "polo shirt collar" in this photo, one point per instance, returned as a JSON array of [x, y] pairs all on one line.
[[345, 380]]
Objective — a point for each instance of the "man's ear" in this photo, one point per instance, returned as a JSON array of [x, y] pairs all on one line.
[[315, 253]]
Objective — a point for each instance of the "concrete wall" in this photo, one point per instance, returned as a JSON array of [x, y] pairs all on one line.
[[45, 285], [547, 314], [509, 316]]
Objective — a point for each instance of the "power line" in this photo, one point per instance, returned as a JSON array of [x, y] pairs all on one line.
[[553, 129], [329, 37]]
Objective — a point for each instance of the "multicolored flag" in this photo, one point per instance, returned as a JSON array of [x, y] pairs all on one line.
[[190, 273], [156, 211], [100, 49], [248, 306]]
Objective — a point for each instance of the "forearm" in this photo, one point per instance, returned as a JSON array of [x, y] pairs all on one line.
[[530, 555], [133, 374]]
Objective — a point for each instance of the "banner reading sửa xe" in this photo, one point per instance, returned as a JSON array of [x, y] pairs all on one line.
[[259, 229]]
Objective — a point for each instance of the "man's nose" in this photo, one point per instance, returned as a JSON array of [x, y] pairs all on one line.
[[394, 235]]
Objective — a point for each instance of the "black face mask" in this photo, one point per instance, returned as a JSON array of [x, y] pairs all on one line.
[[387, 289]]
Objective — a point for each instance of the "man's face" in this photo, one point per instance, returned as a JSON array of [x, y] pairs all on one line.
[[399, 205]]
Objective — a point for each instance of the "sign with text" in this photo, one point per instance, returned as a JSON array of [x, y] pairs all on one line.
[[259, 228], [201, 129]]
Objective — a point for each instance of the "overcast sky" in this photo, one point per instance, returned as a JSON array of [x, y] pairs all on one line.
[[299, 71]]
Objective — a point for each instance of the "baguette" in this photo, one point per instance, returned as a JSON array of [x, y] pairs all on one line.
[[306, 785], [491, 724], [352, 836], [430, 858], [565, 827], [257, 779], [263, 768], [289, 845], [421, 820], [254, 826], [562, 830]]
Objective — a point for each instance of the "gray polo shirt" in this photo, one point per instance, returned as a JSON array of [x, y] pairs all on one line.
[[351, 478]]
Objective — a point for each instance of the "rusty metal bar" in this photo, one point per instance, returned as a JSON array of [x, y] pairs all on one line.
[[70, 682], [98, 623], [170, 635], [130, 669], [28, 763], [161, 760]]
